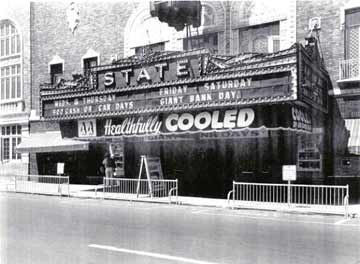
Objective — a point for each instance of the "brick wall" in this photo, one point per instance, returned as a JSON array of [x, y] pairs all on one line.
[[332, 46], [101, 29], [331, 34]]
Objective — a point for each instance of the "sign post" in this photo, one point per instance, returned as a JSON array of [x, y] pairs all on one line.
[[60, 168], [289, 174]]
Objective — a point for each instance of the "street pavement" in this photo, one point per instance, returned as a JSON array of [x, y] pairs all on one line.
[[47, 229]]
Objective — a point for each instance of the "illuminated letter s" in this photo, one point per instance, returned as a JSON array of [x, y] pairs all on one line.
[[109, 79]]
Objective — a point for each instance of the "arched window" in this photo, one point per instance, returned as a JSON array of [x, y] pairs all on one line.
[[10, 87], [10, 40], [145, 34], [10, 63]]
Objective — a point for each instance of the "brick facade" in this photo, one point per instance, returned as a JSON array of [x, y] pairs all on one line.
[[101, 28], [332, 43], [331, 34]]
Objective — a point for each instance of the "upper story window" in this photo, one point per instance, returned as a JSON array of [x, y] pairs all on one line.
[[147, 49], [56, 69], [352, 33], [10, 82], [56, 72], [10, 62], [89, 60], [262, 38], [10, 137], [145, 34], [209, 41], [9, 39]]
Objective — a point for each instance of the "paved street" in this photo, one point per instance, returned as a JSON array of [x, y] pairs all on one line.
[[44, 229]]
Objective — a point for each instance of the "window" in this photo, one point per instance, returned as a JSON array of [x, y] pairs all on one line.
[[9, 39], [209, 41], [90, 59], [90, 62], [352, 43], [274, 43], [352, 33], [260, 39], [10, 67], [10, 82], [148, 49], [10, 137], [56, 71]]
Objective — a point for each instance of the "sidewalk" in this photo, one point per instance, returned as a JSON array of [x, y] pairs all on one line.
[[96, 192]]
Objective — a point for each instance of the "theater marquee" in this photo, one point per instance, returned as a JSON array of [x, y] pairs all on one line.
[[174, 82], [207, 92]]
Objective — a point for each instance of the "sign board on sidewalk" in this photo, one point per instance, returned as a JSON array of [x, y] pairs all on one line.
[[289, 172], [153, 170]]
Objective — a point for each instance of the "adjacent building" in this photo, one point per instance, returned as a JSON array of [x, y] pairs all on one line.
[[339, 25], [15, 85]]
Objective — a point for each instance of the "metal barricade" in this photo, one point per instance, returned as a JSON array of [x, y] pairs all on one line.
[[7, 183], [135, 189], [295, 195], [331, 195], [42, 184]]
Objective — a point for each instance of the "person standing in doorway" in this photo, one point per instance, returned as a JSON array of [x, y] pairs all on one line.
[[109, 167]]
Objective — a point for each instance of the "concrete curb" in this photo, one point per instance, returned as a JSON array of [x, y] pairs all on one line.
[[220, 204]]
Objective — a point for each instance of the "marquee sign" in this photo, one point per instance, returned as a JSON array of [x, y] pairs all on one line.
[[301, 118], [87, 128], [152, 73], [212, 91], [246, 122]]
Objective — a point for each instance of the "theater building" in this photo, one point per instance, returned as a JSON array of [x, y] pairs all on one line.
[[211, 119], [234, 100]]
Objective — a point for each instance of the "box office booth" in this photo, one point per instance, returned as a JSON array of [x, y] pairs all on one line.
[[211, 119]]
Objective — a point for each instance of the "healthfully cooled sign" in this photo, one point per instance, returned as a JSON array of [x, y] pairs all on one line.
[[200, 121], [203, 121]]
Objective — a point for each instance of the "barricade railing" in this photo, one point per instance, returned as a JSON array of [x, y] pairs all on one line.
[[7, 182], [298, 194], [132, 189], [332, 195], [38, 184]]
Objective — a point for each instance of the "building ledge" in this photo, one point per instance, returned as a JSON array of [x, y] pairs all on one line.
[[14, 118], [344, 92], [344, 82]]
